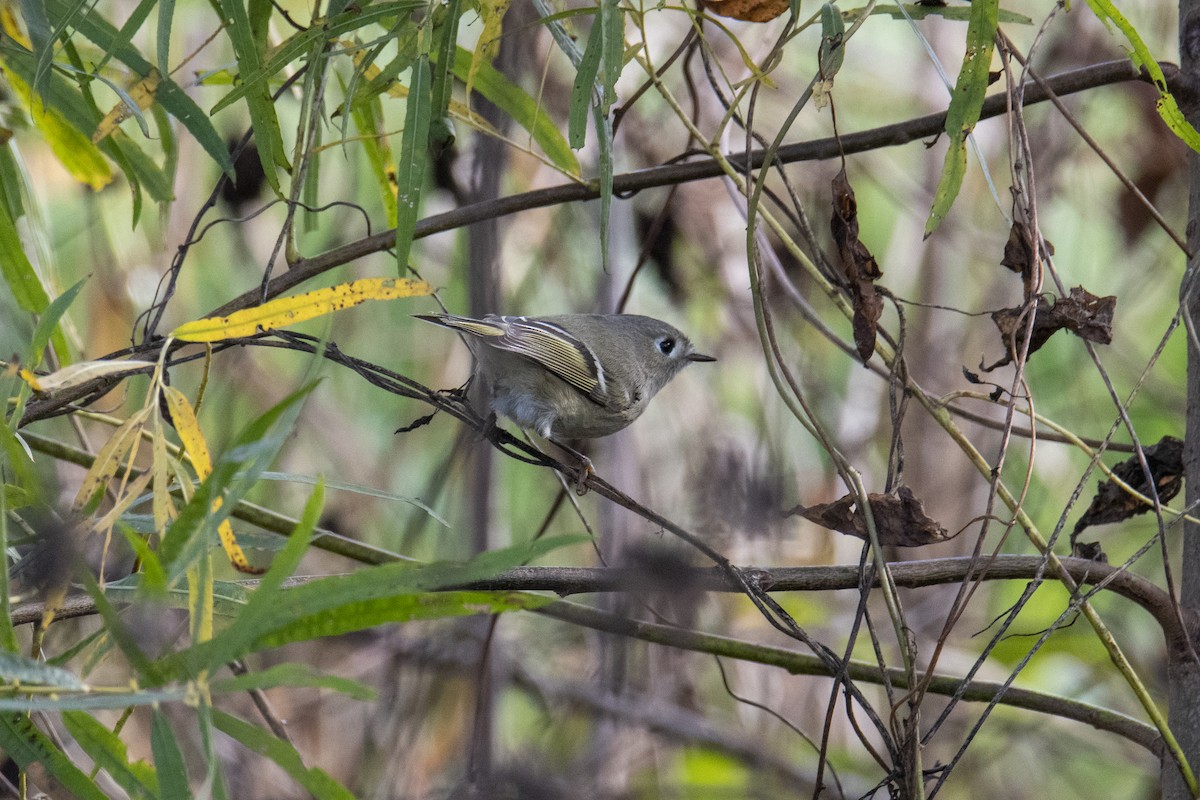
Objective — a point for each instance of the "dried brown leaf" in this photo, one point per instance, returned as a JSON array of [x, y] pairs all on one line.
[[1081, 312], [858, 265], [1114, 503], [900, 519], [748, 10]]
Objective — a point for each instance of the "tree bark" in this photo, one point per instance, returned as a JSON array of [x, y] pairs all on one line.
[[1183, 671]]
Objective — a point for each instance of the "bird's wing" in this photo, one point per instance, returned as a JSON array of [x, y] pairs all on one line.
[[557, 350]]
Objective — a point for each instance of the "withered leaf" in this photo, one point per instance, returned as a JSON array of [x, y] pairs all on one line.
[[1018, 254], [900, 519], [748, 10], [1080, 312], [858, 265], [1113, 503]]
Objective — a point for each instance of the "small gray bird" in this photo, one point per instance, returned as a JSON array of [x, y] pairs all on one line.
[[573, 376]]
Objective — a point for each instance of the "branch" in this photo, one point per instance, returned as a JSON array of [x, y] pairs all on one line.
[[803, 664], [930, 125], [899, 133], [804, 578]]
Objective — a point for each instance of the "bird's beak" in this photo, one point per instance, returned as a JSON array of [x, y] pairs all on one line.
[[699, 357]]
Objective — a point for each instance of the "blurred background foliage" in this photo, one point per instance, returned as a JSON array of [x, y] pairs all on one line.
[[523, 705]]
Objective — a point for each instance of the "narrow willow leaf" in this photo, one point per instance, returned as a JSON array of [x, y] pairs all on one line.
[[90, 701], [255, 79], [70, 145], [172, 98], [233, 475], [188, 428], [16, 668], [168, 760], [108, 752], [8, 636], [445, 38], [259, 105], [48, 323], [18, 272], [965, 105], [517, 104], [832, 51], [583, 89], [1141, 57], [154, 577], [400, 608], [285, 311], [21, 741], [139, 97], [315, 780], [112, 454], [262, 610], [414, 152], [367, 597], [166, 17], [367, 114], [81, 372]]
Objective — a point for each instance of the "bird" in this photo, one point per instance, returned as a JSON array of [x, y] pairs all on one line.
[[573, 376]]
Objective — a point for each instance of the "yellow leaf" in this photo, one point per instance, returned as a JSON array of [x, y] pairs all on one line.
[[188, 428], [142, 93], [285, 311], [70, 145], [109, 459]]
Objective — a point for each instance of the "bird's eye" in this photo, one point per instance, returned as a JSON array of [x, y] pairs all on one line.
[[666, 346]]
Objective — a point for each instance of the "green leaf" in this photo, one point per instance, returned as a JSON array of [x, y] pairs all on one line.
[[147, 671], [523, 109], [18, 272], [316, 781], [965, 105], [49, 323], [8, 636], [172, 770], [263, 119], [367, 114], [169, 95], [16, 668], [21, 741], [154, 577], [445, 39], [260, 610], [166, 16], [414, 152], [234, 473], [583, 89], [356, 488], [372, 596], [255, 75], [1141, 57], [295, 675], [108, 752], [833, 50], [90, 701], [358, 616]]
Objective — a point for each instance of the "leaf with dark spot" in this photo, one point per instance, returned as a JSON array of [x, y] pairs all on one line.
[[858, 265], [1082, 313], [1114, 503], [900, 519]]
